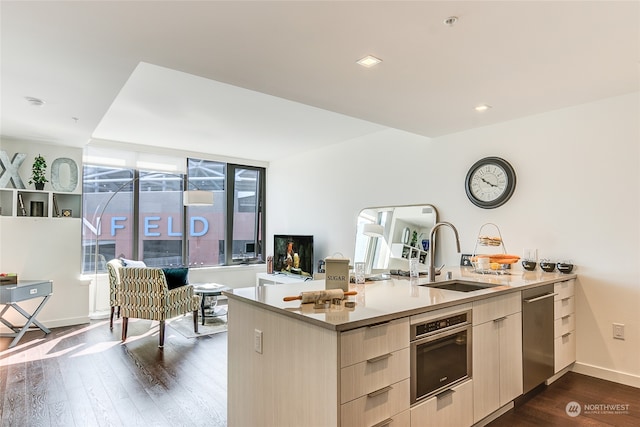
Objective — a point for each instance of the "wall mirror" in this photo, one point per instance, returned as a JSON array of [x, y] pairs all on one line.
[[387, 237]]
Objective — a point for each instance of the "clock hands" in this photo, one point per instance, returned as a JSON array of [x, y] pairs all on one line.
[[484, 180]]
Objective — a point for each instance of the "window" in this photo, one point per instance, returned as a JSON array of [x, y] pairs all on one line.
[[139, 214]]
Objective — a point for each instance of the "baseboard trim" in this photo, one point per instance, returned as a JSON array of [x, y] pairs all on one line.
[[607, 374], [57, 323], [559, 374], [66, 322], [494, 415]]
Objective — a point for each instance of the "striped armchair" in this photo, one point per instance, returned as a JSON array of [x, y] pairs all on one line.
[[113, 267], [144, 295]]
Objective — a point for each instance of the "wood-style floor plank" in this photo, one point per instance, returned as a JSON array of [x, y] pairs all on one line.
[[548, 408], [84, 376]]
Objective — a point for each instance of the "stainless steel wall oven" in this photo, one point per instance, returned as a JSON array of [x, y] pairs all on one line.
[[440, 354]]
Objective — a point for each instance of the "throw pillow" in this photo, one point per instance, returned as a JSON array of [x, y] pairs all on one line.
[[176, 277], [132, 263]]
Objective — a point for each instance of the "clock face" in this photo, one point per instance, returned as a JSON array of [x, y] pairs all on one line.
[[490, 182]]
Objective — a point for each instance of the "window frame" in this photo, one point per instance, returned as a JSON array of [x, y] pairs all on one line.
[[229, 210]]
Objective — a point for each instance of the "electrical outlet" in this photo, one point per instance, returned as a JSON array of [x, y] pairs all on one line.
[[618, 331], [257, 340]]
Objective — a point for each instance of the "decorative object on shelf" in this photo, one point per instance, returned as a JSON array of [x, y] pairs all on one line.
[[405, 235], [414, 238], [37, 208], [425, 244], [56, 211], [23, 211], [37, 172], [490, 182], [67, 213]]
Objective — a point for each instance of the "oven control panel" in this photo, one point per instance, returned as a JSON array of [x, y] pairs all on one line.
[[439, 324]]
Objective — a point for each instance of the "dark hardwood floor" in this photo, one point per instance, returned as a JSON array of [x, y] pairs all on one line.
[[83, 376], [587, 399]]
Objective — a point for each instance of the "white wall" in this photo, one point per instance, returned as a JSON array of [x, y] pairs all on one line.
[[577, 197]]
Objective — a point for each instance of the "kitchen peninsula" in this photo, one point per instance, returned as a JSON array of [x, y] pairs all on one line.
[[290, 364]]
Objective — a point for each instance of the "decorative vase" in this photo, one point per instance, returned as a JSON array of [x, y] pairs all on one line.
[[37, 208], [39, 185]]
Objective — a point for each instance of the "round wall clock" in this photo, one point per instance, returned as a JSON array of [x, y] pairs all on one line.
[[490, 182]]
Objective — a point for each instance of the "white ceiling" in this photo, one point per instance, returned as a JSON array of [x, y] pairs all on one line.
[[261, 79]]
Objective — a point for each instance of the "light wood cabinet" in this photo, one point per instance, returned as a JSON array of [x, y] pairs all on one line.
[[451, 408], [374, 375], [372, 341], [497, 353], [308, 375], [377, 407], [564, 324]]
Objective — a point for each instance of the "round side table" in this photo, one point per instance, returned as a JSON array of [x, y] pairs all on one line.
[[213, 290]]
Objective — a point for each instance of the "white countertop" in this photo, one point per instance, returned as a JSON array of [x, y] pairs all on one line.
[[386, 300]]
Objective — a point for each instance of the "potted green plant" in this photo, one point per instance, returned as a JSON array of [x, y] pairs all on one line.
[[37, 172]]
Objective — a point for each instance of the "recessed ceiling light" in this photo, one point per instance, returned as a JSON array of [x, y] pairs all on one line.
[[36, 102], [482, 107], [451, 21], [369, 61]]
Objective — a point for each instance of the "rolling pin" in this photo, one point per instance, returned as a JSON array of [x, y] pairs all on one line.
[[313, 296]]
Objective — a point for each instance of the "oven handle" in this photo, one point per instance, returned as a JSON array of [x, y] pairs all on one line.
[[445, 393], [439, 335]]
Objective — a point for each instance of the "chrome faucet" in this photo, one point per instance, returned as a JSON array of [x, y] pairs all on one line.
[[432, 249]]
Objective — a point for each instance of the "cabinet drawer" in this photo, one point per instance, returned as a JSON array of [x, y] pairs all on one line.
[[18, 292], [564, 324], [373, 374], [493, 308], [564, 289], [365, 343], [403, 419], [446, 409], [376, 407], [565, 351], [563, 307]]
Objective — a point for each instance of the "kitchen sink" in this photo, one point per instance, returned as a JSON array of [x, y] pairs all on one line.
[[458, 286]]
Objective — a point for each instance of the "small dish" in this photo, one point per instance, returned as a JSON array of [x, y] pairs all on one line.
[[547, 266], [564, 267]]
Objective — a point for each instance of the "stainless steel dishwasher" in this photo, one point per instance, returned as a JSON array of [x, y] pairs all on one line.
[[537, 336]]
